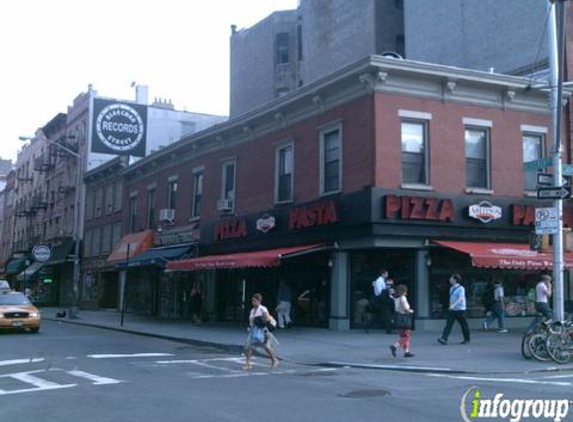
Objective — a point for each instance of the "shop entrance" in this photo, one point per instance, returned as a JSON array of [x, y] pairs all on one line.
[[365, 268]]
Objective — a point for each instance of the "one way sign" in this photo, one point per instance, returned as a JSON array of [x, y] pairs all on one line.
[[558, 192]]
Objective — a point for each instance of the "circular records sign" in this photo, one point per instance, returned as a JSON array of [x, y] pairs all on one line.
[[41, 253], [119, 127]]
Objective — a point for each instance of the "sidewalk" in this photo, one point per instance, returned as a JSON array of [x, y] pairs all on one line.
[[488, 353]]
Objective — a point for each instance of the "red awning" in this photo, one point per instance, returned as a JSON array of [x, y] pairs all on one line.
[[267, 258], [137, 242], [506, 255]]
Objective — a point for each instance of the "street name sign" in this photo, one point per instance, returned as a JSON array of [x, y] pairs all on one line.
[[538, 164], [546, 220], [557, 192], [567, 170]]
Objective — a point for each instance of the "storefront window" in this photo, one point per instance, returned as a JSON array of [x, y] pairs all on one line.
[[517, 284], [365, 268]]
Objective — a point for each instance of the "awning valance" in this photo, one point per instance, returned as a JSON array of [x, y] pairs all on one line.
[[157, 256], [266, 258], [15, 265], [135, 243], [506, 255]]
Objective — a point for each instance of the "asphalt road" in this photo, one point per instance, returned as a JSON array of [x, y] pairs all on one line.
[[74, 373]]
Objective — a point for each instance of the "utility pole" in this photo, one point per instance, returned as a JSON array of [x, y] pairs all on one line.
[[556, 35]]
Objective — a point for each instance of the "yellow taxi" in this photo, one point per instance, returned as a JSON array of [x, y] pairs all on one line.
[[17, 312]]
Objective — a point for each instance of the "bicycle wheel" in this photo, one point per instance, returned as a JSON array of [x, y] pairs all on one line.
[[559, 347], [537, 347], [525, 350]]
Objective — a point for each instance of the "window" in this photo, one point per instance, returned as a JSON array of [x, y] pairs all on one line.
[[90, 197], [98, 202], [197, 193], [151, 208], [109, 199], [228, 180], [132, 213], [532, 150], [282, 47], [115, 234], [299, 41], [477, 153], [88, 243], [331, 160], [415, 152], [106, 240], [96, 241], [118, 196], [284, 173], [171, 194]]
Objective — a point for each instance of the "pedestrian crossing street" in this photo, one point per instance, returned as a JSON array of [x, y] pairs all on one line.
[[25, 376]]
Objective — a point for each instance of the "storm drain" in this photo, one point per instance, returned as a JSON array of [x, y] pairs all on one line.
[[365, 394]]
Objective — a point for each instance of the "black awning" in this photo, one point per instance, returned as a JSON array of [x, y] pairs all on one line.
[[30, 272], [158, 256], [61, 251]]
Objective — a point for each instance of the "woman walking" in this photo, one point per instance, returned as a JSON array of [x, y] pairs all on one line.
[[259, 334], [402, 308]]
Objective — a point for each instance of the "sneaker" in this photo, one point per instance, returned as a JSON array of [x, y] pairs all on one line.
[[442, 341], [393, 350], [484, 326], [503, 330], [465, 342], [408, 355]]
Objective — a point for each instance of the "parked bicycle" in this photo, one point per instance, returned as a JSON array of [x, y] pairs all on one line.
[[534, 339], [559, 343]]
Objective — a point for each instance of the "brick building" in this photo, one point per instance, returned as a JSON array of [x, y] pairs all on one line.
[[385, 163]]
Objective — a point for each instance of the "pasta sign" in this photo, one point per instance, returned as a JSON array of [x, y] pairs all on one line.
[[318, 214]]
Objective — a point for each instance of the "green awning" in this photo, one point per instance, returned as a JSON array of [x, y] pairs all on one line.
[[15, 265]]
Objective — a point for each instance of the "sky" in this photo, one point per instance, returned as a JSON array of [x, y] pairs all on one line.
[[51, 50]]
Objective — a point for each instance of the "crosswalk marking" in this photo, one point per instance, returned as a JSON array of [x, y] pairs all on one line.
[[20, 361], [38, 383], [128, 355], [96, 379]]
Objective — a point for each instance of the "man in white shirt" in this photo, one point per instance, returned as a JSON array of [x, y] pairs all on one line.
[[379, 285], [543, 291]]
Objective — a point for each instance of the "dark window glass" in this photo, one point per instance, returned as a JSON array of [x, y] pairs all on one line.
[[285, 173], [414, 152], [331, 162], [282, 47], [477, 158], [197, 194], [151, 208], [172, 195], [532, 150], [132, 214]]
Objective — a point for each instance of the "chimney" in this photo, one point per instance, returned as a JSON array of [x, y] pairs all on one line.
[[141, 93]]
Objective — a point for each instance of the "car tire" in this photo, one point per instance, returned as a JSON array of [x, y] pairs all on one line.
[[35, 330]]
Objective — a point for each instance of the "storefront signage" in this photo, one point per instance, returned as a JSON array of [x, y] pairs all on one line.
[[485, 212], [266, 223], [169, 238], [41, 253], [318, 214], [231, 229], [119, 128], [418, 208]]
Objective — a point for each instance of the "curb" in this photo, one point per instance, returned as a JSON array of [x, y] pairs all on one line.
[[240, 349]]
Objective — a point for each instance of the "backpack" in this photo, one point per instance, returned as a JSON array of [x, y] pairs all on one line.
[[487, 297], [531, 294]]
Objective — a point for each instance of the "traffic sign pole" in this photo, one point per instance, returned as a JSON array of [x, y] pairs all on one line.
[[556, 36]]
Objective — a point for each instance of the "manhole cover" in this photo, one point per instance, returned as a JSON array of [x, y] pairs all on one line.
[[364, 394]]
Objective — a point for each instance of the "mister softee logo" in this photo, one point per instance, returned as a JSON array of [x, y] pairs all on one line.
[[119, 128], [474, 406]]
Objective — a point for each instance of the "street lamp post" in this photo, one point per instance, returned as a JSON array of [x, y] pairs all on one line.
[[73, 310]]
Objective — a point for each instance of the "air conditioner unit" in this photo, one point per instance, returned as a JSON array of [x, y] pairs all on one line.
[[225, 205], [167, 215]]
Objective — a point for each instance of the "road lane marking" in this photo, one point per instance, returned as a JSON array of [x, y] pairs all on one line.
[[128, 355], [181, 361], [503, 380], [20, 361], [412, 368], [39, 383], [96, 379]]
